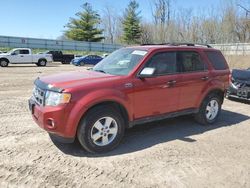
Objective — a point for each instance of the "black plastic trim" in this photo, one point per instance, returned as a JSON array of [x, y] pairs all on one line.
[[61, 139], [163, 116], [45, 86]]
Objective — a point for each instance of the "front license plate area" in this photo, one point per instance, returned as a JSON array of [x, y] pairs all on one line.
[[31, 106]]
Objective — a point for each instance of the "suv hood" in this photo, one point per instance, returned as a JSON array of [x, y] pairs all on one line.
[[4, 54], [74, 79]]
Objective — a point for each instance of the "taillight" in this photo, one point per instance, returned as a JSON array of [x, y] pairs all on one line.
[[230, 78]]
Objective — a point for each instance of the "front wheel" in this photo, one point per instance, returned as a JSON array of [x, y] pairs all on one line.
[[4, 63], [101, 130], [209, 110]]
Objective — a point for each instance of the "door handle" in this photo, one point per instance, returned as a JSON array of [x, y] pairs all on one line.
[[171, 83], [205, 78], [21, 56]]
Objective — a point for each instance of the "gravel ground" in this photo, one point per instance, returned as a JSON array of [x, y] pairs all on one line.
[[171, 153]]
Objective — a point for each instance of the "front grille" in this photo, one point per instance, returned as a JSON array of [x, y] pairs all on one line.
[[39, 96]]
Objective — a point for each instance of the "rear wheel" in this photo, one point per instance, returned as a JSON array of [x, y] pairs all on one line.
[[101, 130], [209, 110], [4, 63], [42, 63]]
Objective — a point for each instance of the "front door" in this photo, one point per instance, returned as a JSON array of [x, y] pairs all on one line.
[[160, 94], [21, 56]]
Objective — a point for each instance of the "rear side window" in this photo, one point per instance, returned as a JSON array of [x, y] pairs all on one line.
[[163, 62], [217, 60], [189, 61], [24, 51]]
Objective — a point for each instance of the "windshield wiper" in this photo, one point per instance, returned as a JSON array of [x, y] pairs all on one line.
[[100, 71]]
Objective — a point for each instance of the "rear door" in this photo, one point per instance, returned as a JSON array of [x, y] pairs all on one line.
[[159, 94], [194, 77]]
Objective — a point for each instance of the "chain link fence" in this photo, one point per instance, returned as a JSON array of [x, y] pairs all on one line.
[[233, 48], [22, 42]]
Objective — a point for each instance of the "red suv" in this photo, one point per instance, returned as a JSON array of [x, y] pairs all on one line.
[[131, 86]]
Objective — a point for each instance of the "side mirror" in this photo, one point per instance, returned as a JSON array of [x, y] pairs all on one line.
[[13, 53], [147, 72]]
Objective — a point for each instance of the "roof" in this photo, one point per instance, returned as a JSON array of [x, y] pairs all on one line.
[[172, 46]]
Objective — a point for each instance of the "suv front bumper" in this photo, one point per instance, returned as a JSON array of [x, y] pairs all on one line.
[[53, 120]]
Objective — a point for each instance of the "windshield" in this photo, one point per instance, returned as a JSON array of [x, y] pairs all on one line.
[[9, 52], [120, 62]]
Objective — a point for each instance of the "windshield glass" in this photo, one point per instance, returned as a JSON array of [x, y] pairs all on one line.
[[9, 52], [120, 62]]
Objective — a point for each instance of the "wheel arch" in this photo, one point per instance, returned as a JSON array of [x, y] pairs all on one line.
[[78, 114], [39, 60], [218, 91], [115, 104], [4, 58]]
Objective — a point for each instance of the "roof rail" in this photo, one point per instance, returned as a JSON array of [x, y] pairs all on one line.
[[190, 44], [182, 44]]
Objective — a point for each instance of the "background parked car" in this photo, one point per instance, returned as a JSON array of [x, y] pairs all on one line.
[[89, 59], [24, 56], [60, 57], [240, 84]]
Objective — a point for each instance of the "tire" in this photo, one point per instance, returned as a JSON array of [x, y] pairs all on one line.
[[92, 134], [4, 63], [42, 63], [65, 62], [209, 110], [82, 64]]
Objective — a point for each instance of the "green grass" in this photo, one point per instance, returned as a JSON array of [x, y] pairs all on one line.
[[64, 51]]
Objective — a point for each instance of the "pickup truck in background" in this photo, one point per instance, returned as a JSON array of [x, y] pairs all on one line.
[[24, 56], [58, 56]]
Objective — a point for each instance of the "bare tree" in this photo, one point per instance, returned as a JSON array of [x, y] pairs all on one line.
[[146, 36], [110, 22], [161, 13]]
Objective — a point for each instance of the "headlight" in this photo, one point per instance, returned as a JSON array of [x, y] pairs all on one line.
[[234, 86], [54, 98]]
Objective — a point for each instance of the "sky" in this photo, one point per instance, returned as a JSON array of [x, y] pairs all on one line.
[[47, 18]]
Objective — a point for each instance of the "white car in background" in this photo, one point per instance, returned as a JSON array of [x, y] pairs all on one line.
[[24, 56]]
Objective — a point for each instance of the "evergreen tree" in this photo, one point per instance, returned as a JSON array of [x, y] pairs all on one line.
[[131, 23], [85, 27]]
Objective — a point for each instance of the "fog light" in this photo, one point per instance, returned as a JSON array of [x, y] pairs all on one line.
[[51, 123]]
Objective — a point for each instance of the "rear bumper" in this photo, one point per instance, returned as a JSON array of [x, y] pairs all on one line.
[[53, 120]]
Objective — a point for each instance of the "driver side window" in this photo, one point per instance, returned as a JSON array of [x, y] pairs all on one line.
[[163, 62], [17, 52]]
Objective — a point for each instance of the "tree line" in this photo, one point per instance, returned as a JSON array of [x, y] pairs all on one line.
[[225, 24]]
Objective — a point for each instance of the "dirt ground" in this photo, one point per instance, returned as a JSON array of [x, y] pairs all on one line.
[[172, 153]]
